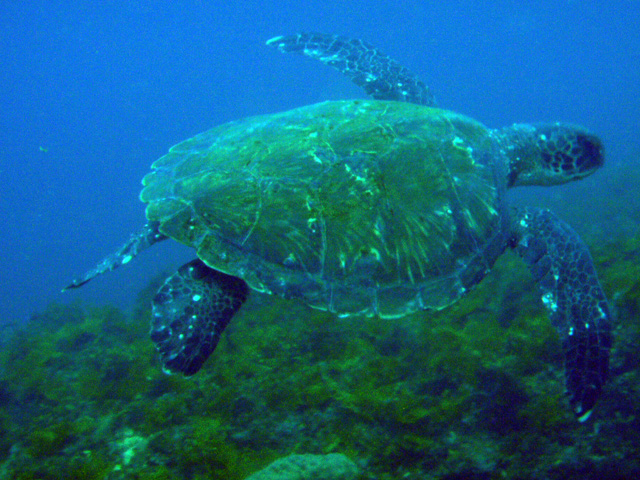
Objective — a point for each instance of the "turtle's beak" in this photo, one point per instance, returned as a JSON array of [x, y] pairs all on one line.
[[589, 154]]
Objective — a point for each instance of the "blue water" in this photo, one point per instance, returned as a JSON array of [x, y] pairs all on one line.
[[92, 92]]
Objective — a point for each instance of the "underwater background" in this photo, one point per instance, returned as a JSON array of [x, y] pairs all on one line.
[[91, 93]]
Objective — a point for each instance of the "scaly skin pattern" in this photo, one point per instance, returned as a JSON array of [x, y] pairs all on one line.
[[190, 312], [378, 75], [563, 269], [145, 238]]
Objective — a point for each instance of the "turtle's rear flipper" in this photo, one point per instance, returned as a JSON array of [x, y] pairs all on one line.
[[190, 311], [136, 244], [561, 265]]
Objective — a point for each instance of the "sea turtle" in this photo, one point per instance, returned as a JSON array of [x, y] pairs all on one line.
[[366, 207]]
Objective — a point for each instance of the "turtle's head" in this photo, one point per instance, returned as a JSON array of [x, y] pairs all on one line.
[[549, 153]]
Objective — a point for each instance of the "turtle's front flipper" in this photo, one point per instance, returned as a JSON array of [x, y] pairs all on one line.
[[136, 244], [380, 76], [562, 266], [190, 311]]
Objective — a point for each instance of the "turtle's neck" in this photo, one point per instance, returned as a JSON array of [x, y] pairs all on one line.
[[518, 144]]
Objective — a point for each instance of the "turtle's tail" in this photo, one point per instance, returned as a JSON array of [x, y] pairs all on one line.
[[136, 244]]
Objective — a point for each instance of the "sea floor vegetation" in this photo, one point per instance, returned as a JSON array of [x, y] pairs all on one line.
[[472, 392]]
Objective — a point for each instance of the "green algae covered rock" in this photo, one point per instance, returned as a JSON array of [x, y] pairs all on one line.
[[333, 466]]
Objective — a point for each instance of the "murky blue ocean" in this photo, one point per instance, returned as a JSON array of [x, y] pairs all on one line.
[[91, 93]]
